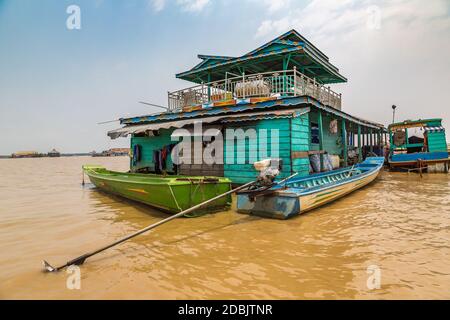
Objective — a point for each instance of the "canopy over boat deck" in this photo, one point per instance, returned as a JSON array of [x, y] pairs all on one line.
[[430, 124]]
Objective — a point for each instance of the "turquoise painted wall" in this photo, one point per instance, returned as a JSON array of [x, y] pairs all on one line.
[[245, 172], [437, 142], [148, 145], [332, 143], [300, 137], [293, 136]]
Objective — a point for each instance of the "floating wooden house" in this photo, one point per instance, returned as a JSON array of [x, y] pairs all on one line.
[[278, 94], [418, 143]]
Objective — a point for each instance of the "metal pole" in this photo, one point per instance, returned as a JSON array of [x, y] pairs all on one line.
[[344, 143], [209, 87], [243, 85], [320, 123], [371, 140], [80, 260], [393, 112], [295, 80], [359, 144]]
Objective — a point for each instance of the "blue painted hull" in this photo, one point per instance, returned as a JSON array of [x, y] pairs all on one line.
[[299, 195], [406, 159], [279, 207]]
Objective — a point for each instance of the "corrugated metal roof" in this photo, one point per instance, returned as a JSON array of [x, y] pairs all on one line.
[[277, 114], [132, 129], [212, 68], [413, 123], [279, 103]]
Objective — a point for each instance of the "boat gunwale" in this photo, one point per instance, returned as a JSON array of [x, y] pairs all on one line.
[[167, 186], [415, 161], [172, 180], [375, 170]]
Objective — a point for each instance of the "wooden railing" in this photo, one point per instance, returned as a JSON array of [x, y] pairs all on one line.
[[287, 83]]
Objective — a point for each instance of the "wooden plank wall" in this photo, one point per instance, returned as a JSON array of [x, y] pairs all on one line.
[[300, 141], [148, 145], [330, 141], [437, 142], [293, 145], [245, 172]]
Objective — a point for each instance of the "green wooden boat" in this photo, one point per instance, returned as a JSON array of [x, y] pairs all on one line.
[[171, 194]]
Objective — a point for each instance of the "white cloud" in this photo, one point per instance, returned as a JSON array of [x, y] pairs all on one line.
[[323, 18], [273, 26], [157, 5], [392, 51], [271, 6], [193, 5], [276, 5]]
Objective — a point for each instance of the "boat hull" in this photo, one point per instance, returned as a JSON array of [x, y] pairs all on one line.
[[286, 203], [413, 159], [168, 194]]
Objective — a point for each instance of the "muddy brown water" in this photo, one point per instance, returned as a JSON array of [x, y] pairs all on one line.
[[400, 224]]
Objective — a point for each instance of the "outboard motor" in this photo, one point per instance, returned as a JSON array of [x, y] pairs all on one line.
[[268, 169]]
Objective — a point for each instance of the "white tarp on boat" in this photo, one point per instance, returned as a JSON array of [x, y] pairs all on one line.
[[434, 129]]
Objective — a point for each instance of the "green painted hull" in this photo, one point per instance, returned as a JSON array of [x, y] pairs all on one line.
[[171, 194]]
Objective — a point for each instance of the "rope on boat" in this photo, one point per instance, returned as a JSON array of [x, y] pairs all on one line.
[[192, 195], [174, 198]]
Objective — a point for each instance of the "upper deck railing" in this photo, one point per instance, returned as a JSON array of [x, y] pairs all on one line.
[[286, 83]]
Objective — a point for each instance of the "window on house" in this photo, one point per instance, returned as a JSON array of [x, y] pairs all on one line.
[[315, 133]]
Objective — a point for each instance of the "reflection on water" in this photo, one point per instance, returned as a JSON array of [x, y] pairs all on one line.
[[400, 223]]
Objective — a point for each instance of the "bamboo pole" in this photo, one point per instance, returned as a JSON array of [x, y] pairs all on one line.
[[80, 260]]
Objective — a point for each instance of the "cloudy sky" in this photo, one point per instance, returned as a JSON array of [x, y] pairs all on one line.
[[56, 84]]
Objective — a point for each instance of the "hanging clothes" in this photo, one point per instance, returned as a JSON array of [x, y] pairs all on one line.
[[160, 161], [160, 157], [156, 160], [136, 154], [163, 158]]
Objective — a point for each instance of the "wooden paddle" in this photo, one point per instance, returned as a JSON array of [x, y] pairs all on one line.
[[80, 260]]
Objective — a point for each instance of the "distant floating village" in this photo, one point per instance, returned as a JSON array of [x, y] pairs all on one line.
[[113, 152]]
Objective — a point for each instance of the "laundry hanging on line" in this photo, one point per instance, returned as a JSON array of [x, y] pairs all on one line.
[[160, 157]]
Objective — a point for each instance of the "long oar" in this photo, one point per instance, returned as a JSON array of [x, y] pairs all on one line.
[[80, 260], [285, 179]]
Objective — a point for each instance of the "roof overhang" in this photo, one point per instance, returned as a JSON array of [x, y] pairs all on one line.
[[288, 50], [253, 116], [279, 104], [413, 124]]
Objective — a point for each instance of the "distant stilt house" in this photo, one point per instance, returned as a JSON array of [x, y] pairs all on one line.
[[119, 151], [113, 152], [277, 97], [54, 153]]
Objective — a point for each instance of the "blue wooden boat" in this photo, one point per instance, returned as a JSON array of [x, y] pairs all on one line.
[[298, 195], [422, 152]]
